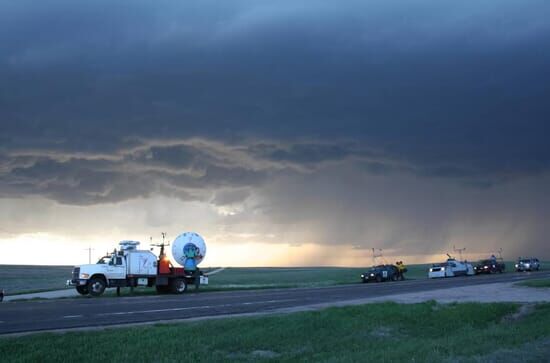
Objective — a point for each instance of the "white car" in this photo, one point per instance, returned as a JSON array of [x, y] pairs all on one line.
[[451, 268], [527, 264]]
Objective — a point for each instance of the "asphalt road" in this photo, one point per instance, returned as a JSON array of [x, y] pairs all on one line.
[[27, 316]]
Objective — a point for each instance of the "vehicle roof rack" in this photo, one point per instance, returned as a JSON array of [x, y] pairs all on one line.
[[128, 245]]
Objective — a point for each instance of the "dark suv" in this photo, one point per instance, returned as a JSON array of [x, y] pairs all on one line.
[[528, 264], [489, 267], [381, 273]]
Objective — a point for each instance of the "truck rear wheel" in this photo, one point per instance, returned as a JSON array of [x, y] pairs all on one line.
[[96, 286], [82, 290], [178, 286]]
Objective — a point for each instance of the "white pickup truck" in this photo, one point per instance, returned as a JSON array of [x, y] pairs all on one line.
[[130, 267]]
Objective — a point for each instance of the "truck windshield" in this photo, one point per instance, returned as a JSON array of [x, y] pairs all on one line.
[[103, 260]]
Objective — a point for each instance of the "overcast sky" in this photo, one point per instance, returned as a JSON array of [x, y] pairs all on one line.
[[286, 132]]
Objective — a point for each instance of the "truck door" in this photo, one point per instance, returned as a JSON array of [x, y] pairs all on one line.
[[116, 268]]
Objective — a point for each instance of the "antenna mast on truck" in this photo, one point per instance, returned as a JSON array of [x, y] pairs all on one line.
[[459, 250], [161, 245], [374, 255]]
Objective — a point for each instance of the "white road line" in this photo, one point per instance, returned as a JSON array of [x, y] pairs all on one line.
[[194, 308], [72, 316]]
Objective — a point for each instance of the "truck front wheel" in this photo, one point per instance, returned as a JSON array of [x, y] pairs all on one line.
[[82, 290], [96, 286], [178, 286]]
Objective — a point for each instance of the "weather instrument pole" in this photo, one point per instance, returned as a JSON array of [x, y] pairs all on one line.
[[459, 250], [374, 255], [89, 249]]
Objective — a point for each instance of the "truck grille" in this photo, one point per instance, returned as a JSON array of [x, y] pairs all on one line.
[[76, 273]]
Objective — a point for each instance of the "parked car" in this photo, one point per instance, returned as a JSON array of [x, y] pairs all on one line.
[[528, 264], [489, 266], [381, 273], [451, 268]]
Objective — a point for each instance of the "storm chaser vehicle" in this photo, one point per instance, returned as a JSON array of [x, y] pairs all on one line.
[[527, 264], [489, 266], [130, 267], [382, 273], [451, 268]]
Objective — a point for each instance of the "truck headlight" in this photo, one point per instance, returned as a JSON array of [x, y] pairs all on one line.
[[84, 275]]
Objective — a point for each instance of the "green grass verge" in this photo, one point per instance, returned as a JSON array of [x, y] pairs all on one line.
[[542, 283], [23, 279], [386, 332]]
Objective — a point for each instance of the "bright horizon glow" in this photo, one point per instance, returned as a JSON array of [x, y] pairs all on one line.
[[48, 249]]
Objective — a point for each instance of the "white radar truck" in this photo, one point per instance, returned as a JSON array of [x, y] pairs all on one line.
[[130, 267]]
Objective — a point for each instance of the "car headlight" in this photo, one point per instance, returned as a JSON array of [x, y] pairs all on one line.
[[84, 275], [372, 274], [362, 276], [442, 268], [517, 265], [485, 266], [431, 270]]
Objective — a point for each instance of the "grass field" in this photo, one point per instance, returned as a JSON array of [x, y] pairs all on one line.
[[296, 277], [387, 332], [21, 278], [542, 283]]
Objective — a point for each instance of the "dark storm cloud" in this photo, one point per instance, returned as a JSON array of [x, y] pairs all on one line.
[[443, 90], [193, 169], [302, 153]]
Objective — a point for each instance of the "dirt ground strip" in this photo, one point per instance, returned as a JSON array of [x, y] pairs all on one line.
[[487, 293], [499, 292]]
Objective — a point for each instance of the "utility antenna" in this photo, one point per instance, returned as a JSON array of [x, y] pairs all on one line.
[[161, 245], [459, 250], [89, 249], [374, 255]]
